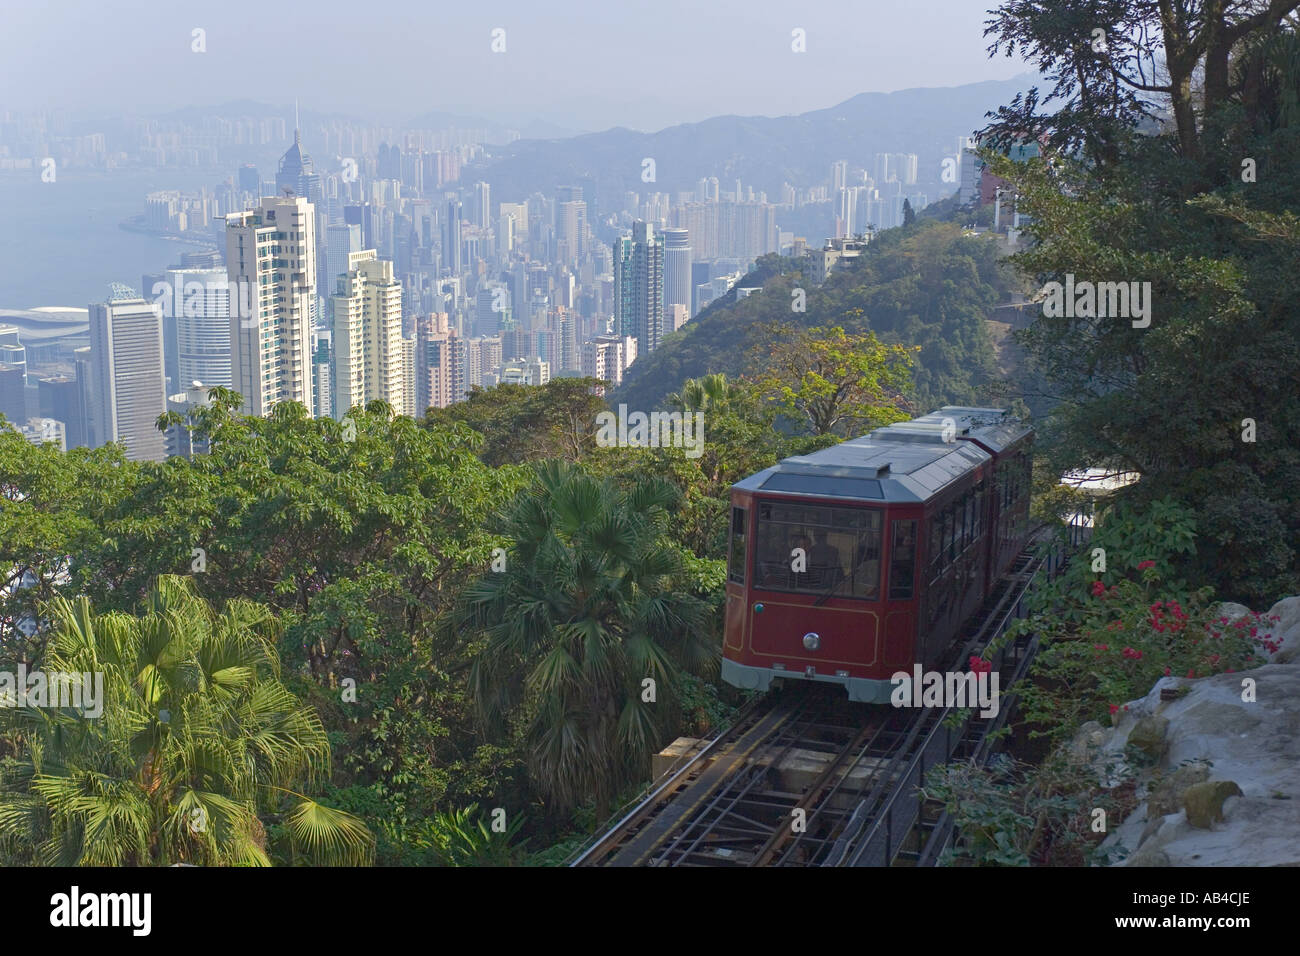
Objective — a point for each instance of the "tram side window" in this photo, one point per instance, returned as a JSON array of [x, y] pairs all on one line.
[[950, 519], [902, 563], [736, 556], [936, 544]]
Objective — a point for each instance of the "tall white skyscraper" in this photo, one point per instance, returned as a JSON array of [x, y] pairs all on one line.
[[271, 263], [677, 270], [127, 391], [202, 304], [368, 362]]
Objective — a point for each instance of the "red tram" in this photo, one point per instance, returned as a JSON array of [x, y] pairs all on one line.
[[862, 559]]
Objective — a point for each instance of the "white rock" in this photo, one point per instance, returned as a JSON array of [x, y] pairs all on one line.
[[1255, 744]]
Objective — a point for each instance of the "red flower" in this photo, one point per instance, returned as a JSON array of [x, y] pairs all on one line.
[[1146, 564], [1114, 708], [1098, 589], [979, 665], [1166, 671]]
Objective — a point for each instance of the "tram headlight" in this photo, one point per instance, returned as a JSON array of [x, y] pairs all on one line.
[[812, 640]]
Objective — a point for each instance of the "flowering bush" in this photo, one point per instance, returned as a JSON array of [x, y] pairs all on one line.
[[1125, 637]]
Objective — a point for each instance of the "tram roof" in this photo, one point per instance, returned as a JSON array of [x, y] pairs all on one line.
[[907, 462], [994, 428]]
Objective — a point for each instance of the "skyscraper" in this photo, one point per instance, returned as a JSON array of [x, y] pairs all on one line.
[[359, 214], [340, 241], [201, 314], [451, 258], [570, 230], [839, 174], [297, 176], [271, 265], [492, 312], [298, 172], [439, 372], [639, 286], [677, 268], [367, 339], [60, 399], [482, 205], [126, 346], [249, 180]]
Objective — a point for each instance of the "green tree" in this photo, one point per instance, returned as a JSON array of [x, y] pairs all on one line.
[[832, 381], [1197, 393], [198, 747], [523, 423], [930, 285], [1115, 64], [590, 606]]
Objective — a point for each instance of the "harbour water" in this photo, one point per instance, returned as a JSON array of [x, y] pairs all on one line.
[[60, 244]]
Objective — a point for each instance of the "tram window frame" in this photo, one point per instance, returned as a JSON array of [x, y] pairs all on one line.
[[865, 525], [949, 544], [902, 590], [739, 516], [935, 556]]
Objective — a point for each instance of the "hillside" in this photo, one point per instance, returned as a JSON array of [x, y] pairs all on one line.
[[928, 285]]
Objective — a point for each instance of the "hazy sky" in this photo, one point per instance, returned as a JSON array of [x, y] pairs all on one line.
[[580, 64]]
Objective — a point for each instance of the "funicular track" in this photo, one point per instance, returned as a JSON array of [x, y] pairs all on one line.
[[855, 799]]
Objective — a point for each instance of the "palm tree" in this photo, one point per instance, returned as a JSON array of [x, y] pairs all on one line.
[[198, 742], [708, 393], [588, 609]]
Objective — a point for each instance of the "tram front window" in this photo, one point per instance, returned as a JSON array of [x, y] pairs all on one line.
[[818, 549]]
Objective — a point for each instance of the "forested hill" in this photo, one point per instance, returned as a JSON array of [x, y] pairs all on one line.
[[925, 285]]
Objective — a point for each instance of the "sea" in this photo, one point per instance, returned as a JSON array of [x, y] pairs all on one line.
[[60, 244]]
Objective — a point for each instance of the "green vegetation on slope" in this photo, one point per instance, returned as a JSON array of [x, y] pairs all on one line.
[[927, 285]]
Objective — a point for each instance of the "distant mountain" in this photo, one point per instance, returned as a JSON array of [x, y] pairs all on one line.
[[529, 129], [761, 151]]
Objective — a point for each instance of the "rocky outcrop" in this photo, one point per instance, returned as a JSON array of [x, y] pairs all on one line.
[[1218, 766]]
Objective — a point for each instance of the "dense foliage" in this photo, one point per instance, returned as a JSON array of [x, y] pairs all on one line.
[[1200, 396], [928, 285]]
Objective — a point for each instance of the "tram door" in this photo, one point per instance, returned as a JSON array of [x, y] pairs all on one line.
[[900, 645]]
